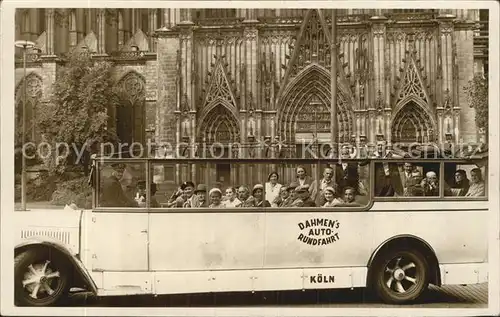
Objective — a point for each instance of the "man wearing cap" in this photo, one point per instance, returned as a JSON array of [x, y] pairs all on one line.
[[182, 195], [292, 195], [112, 194], [303, 200]]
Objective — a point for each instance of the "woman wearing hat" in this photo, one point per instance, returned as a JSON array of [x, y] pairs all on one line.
[[273, 189], [215, 196], [258, 195]]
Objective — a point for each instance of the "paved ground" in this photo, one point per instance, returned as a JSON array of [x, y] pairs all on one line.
[[471, 296]]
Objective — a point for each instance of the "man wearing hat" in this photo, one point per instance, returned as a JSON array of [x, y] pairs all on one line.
[[304, 199], [292, 195], [182, 195], [199, 199], [112, 194]]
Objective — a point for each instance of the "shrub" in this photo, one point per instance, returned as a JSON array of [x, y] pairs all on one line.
[[75, 191]]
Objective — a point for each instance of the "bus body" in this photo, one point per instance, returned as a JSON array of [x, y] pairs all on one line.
[[398, 242]]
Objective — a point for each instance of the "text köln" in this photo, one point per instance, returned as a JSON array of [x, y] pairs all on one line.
[[318, 231], [322, 279]]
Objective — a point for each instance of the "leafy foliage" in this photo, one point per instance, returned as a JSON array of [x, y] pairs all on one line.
[[77, 114], [75, 191], [477, 94]]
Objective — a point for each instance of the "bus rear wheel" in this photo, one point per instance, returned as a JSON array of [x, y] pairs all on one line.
[[41, 278], [400, 276]]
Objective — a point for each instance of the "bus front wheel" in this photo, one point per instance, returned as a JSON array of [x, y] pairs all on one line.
[[41, 278], [400, 276]]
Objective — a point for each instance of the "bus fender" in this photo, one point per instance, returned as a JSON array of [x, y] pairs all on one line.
[[414, 241], [78, 266]]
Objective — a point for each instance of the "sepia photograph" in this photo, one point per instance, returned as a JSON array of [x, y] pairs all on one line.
[[251, 155]]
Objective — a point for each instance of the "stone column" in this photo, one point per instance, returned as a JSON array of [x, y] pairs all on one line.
[[153, 22], [73, 40], [446, 40], [101, 31], [49, 31], [33, 30], [80, 24], [167, 52], [440, 132], [379, 43]]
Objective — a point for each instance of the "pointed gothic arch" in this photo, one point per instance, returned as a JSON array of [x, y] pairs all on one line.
[[219, 125], [129, 115], [413, 122], [34, 91], [313, 82]]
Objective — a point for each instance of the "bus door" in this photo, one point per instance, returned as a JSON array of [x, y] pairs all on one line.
[[119, 225]]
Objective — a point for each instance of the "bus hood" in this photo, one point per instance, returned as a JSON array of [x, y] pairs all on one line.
[[57, 226]]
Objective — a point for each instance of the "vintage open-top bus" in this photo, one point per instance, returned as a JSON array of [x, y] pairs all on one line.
[[391, 234]]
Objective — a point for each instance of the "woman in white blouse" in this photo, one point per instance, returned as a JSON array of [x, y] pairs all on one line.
[[273, 189]]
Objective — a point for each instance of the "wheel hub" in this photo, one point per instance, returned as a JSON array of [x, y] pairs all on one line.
[[399, 274]]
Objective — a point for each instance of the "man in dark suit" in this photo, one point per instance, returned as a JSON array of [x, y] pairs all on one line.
[[112, 194]]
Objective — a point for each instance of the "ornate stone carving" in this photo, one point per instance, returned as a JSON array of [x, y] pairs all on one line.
[[61, 18], [131, 86], [378, 30], [362, 64], [186, 34], [220, 87], [250, 34], [411, 82], [111, 16], [34, 86], [411, 123], [312, 44], [445, 28]]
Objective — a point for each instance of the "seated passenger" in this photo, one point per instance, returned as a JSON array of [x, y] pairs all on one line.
[[326, 181], [304, 199], [329, 194], [477, 186], [258, 195], [140, 196], [199, 198], [231, 200], [430, 184], [292, 195], [215, 195], [182, 195], [245, 198], [460, 185], [349, 199], [302, 177], [410, 179], [284, 194], [112, 194], [272, 188]]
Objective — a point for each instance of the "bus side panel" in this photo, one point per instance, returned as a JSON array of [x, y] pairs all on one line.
[[318, 239], [455, 236], [206, 241]]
